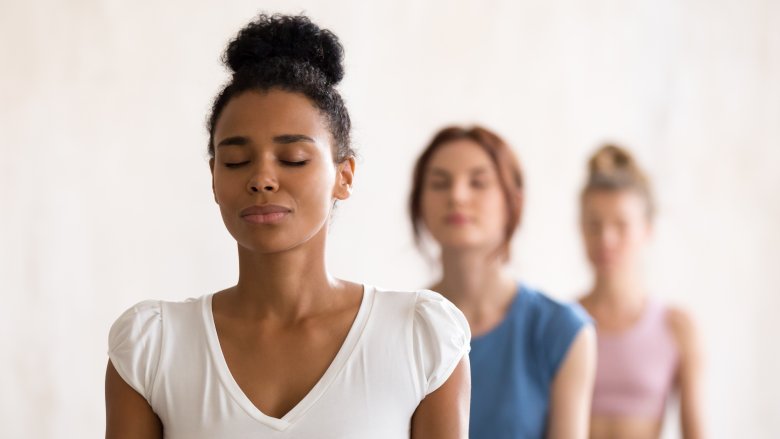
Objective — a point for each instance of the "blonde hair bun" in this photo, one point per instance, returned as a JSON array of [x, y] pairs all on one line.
[[612, 167]]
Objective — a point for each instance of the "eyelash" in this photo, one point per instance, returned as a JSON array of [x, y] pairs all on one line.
[[294, 164], [283, 162], [477, 184]]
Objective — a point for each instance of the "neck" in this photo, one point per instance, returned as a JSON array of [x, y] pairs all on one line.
[[619, 290], [475, 280], [288, 285]]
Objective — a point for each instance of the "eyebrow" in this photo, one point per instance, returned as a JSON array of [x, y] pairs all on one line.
[[283, 139], [233, 141], [475, 171], [286, 139], [440, 172]]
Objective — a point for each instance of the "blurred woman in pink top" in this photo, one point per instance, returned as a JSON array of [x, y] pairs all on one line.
[[646, 349]]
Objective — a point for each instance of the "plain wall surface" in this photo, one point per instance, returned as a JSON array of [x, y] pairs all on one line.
[[106, 199]]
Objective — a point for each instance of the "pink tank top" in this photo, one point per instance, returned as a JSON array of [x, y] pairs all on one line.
[[636, 368]]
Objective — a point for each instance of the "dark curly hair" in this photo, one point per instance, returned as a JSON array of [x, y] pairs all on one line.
[[290, 53]]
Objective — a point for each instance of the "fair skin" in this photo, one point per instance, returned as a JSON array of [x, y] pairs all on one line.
[[616, 228], [464, 209], [274, 148]]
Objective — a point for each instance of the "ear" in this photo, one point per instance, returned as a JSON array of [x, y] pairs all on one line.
[[213, 190], [520, 197], [345, 172]]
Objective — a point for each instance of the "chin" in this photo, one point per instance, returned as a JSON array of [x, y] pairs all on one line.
[[449, 239], [465, 243], [263, 241], [608, 268], [266, 246], [278, 239]]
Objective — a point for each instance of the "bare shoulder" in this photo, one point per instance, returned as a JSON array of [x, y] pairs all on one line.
[[680, 320], [353, 293], [356, 289], [683, 325]]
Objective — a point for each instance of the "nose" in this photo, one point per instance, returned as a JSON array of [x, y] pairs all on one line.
[[609, 237], [263, 179], [459, 192]]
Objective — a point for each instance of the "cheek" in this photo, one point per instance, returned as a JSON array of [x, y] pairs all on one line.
[[590, 241], [313, 190], [623, 242], [431, 205], [635, 238], [493, 206], [226, 186]]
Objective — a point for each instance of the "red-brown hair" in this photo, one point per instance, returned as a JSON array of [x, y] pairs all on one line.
[[510, 176]]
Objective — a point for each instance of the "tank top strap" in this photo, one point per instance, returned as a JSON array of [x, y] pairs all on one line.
[[654, 316], [655, 311]]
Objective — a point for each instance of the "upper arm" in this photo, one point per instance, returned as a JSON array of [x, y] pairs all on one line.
[[444, 413], [572, 389], [128, 415], [134, 349], [440, 346], [689, 372]]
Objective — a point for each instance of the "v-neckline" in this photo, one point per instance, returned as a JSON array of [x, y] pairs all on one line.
[[280, 424]]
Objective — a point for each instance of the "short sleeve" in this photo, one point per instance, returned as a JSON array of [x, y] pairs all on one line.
[[562, 328], [441, 338], [134, 344]]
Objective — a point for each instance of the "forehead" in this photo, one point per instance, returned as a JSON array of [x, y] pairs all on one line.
[[264, 115], [459, 156], [618, 202]]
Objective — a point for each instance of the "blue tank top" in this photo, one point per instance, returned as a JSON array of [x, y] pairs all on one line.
[[513, 366]]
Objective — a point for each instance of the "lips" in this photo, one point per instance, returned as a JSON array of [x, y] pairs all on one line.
[[265, 214], [456, 219]]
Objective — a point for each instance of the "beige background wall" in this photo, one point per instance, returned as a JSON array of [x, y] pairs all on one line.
[[105, 192]]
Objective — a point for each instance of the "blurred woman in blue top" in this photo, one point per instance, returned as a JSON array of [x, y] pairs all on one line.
[[532, 357]]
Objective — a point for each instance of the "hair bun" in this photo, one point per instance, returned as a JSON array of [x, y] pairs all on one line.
[[611, 160], [293, 37], [614, 168]]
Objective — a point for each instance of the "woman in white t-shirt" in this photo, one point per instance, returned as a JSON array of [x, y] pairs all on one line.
[[289, 351]]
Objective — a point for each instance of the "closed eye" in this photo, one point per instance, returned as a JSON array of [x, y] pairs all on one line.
[[439, 184], [293, 163], [236, 164]]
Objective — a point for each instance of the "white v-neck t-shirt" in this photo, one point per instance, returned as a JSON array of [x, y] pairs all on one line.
[[401, 347]]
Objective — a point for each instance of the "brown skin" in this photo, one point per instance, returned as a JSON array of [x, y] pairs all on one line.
[[275, 148], [128, 415], [445, 412], [464, 210], [616, 229]]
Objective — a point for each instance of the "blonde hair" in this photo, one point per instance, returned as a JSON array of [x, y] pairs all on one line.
[[612, 168]]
